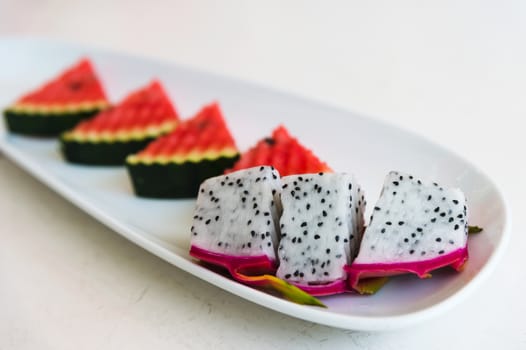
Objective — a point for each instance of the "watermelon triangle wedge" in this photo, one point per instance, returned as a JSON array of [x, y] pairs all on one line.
[[283, 152], [110, 136], [59, 104], [174, 165]]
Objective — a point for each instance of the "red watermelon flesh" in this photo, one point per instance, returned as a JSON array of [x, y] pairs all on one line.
[[78, 84], [148, 107], [283, 152], [206, 134]]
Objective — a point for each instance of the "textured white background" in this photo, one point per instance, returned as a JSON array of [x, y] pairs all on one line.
[[453, 71]]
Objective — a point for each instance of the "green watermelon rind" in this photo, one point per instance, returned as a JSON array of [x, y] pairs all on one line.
[[45, 124], [100, 153], [175, 180]]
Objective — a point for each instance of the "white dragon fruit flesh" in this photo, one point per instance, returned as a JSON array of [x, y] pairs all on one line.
[[236, 218], [416, 227], [321, 228]]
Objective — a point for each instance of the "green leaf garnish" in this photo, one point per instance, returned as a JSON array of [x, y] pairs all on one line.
[[474, 229]]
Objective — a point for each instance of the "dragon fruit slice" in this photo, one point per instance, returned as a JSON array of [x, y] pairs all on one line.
[[416, 227], [321, 229], [236, 226], [236, 219]]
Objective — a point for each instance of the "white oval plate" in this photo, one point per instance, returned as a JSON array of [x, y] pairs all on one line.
[[348, 142]]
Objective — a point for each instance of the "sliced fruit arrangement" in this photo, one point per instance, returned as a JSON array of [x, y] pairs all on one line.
[[319, 245], [59, 104], [175, 165], [416, 228], [110, 136], [283, 152]]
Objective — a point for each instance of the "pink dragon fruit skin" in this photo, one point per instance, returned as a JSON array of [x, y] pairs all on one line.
[[321, 229], [235, 223], [416, 227]]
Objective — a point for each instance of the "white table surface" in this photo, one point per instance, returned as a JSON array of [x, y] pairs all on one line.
[[453, 72]]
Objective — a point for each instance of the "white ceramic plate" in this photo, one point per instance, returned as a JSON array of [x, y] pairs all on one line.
[[346, 141]]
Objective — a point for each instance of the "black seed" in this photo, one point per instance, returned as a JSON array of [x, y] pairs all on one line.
[[324, 213], [423, 253], [266, 213], [252, 233], [305, 232], [316, 236], [285, 186], [438, 239], [396, 183], [389, 223], [429, 197], [249, 244], [406, 240], [269, 244], [322, 200], [455, 201], [441, 252], [243, 199], [313, 271], [419, 229], [207, 221], [451, 220], [308, 206], [328, 251], [456, 227], [394, 193], [337, 238], [400, 223], [257, 212], [383, 230], [217, 218], [287, 276], [377, 208], [249, 222], [437, 209], [413, 235], [433, 219], [411, 251], [320, 224]]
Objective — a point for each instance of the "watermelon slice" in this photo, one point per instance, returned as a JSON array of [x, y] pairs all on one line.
[[58, 105], [174, 165], [108, 137], [283, 152]]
